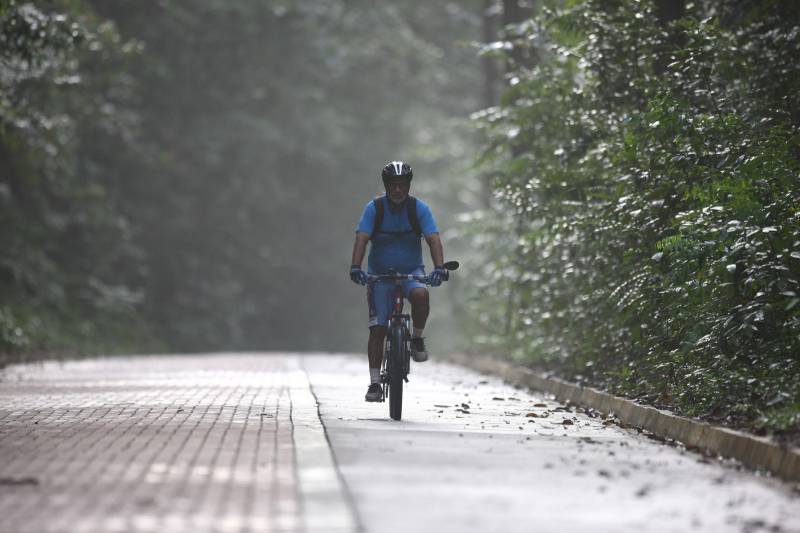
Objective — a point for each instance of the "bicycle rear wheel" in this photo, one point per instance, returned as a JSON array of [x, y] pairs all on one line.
[[397, 356]]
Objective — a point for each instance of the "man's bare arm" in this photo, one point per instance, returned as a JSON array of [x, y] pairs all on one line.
[[437, 253], [360, 247]]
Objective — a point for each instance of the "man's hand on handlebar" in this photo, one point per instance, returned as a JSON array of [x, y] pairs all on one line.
[[357, 275], [438, 275]]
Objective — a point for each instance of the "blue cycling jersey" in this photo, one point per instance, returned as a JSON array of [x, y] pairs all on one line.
[[395, 245]]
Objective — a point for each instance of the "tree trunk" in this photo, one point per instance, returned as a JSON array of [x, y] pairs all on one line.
[[666, 12], [491, 72], [514, 12], [669, 10]]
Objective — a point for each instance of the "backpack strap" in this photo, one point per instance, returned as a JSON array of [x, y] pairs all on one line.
[[411, 211], [412, 215], [378, 203]]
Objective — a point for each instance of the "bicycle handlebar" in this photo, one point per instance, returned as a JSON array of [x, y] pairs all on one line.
[[372, 278], [448, 267]]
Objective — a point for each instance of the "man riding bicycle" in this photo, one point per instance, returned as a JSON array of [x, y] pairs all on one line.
[[395, 223]]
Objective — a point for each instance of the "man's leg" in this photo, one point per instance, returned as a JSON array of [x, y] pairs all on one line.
[[377, 334], [378, 302], [420, 308]]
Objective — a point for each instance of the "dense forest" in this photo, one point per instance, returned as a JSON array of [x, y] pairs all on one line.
[[647, 158], [620, 179], [187, 176]]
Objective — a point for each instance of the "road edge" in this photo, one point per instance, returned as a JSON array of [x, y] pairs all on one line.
[[327, 505], [750, 450], [357, 525]]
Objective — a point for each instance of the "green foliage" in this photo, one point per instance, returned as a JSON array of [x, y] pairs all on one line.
[[266, 126], [188, 176], [63, 238], [652, 172]]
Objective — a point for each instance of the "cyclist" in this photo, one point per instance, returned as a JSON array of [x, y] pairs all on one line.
[[395, 223]]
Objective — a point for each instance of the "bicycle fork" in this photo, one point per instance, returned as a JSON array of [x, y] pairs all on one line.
[[403, 322], [398, 320]]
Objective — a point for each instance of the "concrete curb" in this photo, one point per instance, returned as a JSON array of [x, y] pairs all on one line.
[[325, 507], [752, 451]]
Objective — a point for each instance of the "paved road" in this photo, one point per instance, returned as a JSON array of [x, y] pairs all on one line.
[[235, 442]]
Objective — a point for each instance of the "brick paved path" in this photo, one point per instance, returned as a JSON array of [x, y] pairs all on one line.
[[234, 442], [186, 443]]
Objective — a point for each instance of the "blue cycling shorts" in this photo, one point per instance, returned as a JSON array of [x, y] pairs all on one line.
[[380, 298]]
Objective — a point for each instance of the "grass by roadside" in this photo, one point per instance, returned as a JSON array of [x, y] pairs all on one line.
[[27, 337], [767, 410]]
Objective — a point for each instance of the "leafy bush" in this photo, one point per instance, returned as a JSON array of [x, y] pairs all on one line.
[[187, 173], [652, 170], [64, 242]]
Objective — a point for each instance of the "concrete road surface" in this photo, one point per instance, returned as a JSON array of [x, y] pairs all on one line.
[[285, 442]]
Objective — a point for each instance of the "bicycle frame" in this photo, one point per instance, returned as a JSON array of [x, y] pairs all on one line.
[[399, 328], [396, 363]]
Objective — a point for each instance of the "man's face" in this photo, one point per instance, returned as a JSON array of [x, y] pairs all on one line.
[[397, 190]]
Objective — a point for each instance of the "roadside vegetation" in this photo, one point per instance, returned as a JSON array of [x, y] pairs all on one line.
[[187, 176], [64, 241], [645, 234]]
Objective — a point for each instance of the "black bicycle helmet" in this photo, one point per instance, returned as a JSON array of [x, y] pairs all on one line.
[[397, 169]]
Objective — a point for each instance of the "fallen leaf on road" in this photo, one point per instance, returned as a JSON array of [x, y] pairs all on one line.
[[17, 481], [145, 502]]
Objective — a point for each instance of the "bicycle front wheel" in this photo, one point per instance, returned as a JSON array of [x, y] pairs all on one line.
[[397, 356]]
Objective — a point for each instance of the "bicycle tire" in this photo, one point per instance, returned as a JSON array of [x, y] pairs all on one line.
[[397, 354]]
